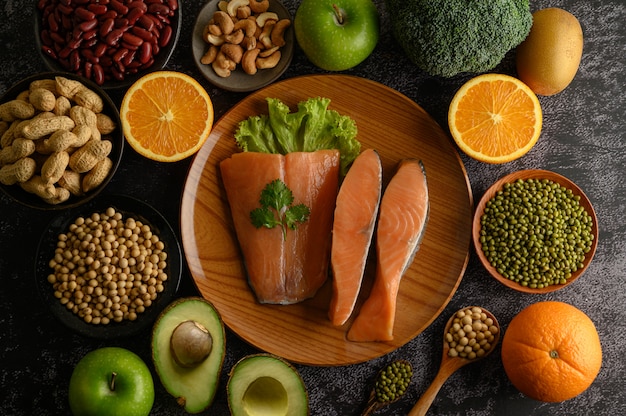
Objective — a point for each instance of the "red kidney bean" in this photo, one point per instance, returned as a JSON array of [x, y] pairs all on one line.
[[145, 22], [87, 70], [134, 15], [119, 7], [137, 4], [142, 33], [84, 14], [100, 49], [97, 8], [88, 25], [132, 39], [49, 51], [166, 35], [145, 52], [106, 26], [75, 61], [65, 9], [97, 74], [129, 57], [109, 14], [113, 37], [172, 4]]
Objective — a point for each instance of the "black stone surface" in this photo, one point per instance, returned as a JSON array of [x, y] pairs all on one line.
[[583, 138]]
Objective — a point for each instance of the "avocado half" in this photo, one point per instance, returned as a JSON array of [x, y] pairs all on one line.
[[188, 349], [264, 384]]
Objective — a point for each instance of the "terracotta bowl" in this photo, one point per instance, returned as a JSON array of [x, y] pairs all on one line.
[[524, 175]]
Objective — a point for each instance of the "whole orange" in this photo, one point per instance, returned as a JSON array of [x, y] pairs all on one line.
[[551, 351]]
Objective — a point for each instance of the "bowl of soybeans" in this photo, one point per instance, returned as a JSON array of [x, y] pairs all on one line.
[[535, 231], [108, 268], [61, 141], [111, 43]]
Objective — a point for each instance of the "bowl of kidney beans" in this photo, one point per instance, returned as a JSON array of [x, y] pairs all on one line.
[[110, 42]]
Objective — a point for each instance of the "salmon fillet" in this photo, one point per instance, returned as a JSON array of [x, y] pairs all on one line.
[[401, 224], [353, 228], [284, 270]]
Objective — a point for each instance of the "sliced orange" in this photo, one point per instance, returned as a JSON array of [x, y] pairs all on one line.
[[495, 118], [166, 116]]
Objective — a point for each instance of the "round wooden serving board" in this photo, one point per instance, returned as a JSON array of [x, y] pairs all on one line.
[[397, 128]]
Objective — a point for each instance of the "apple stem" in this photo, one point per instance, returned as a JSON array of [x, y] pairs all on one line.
[[112, 382], [338, 14]]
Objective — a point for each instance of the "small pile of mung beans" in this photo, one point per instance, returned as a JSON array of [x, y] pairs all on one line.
[[536, 233], [472, 333], [107, 268], [393, 381]]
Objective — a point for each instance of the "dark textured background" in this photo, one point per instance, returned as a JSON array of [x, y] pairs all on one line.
[[583, 138]]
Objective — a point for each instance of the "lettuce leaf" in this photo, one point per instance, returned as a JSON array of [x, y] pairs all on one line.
[[312, 127]]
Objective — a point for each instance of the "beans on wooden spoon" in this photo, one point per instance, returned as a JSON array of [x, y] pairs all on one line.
[[470, 334], [391, 384]]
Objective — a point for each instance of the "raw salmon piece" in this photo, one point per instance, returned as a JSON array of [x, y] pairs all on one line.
[[353, 228], [401, 224], [284, 270], [313, 177]]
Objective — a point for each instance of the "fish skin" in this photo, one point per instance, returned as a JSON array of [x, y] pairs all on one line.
[[356, 212], [279, 270], [402, 222]]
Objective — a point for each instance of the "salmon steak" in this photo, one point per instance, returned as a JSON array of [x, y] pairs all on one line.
[[353, 228], [284, 266], [401, 224]]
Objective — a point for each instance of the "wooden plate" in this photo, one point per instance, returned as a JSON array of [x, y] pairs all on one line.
[[539, 175], [397, 128]]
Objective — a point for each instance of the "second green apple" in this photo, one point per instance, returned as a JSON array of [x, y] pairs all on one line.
[[337, 35]]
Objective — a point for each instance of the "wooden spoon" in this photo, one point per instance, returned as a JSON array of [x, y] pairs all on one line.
[[449, 365]]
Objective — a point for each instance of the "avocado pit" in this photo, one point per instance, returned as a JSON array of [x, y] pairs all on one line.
[[190, 344]]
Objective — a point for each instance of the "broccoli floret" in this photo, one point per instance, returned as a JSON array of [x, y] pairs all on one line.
[[448, 37]]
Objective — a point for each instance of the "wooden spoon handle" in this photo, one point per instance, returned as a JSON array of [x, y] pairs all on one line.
[[448, 367]]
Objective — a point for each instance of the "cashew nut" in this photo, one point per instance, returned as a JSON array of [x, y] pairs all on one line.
[[266, 35], [232, 52], [233, 5], [244, 12], [259, 6], [268, 62], [247, 25], [236, 37], [248, 62], [209, 56], [278, 32], [215, 40], [264, 17], [224, 22]]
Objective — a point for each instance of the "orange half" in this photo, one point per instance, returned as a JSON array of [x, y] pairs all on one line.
[[166, 116], [495, 118]]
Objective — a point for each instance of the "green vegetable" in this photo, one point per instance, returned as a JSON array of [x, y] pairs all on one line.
[[312, 127], [277, 210], [449, 37]]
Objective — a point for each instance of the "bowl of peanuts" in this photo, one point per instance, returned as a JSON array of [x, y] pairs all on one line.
[[108, 268], [111, 43], [61, 141], [243, 45]]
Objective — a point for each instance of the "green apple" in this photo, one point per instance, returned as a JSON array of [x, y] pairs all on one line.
[[111, 381], [336, 35]]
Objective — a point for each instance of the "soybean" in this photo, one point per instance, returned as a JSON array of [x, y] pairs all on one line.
[[535, 232], [108, 269], [472, 334]]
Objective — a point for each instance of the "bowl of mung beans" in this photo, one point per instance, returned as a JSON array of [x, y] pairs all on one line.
[[535, 231], [108, 268]]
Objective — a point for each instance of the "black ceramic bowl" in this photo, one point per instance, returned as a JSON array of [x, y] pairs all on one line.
[[128, 207], [160, 59], [16, 193]]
